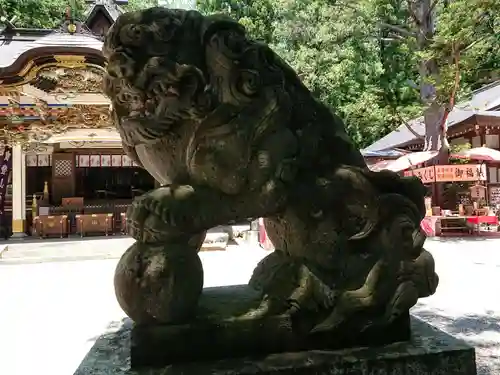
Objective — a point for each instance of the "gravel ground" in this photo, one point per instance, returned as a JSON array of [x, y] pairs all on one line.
[[51, 314], [467, 303]]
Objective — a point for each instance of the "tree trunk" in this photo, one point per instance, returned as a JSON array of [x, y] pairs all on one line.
[[436, 114], [435, 138]]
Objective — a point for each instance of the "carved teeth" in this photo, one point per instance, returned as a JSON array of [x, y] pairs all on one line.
[[173, 91]]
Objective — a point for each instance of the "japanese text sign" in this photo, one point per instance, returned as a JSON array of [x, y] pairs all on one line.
[[460, 172], [426, 174], [494, 194], [449, 173]]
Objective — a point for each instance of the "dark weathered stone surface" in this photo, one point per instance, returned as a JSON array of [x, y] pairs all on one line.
[[231, 132], [218, 332], [430, 352]]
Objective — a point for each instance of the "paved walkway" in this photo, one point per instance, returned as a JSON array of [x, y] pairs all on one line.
[[64, 250], [52, 313], [87, 248], [467, 302]]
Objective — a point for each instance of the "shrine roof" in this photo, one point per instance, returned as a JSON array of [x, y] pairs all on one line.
[[110, 8], [483, 103], [17, 43], [17, 50]]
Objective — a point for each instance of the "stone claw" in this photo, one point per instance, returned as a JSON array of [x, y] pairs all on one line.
[[334, 320], [150, 217]]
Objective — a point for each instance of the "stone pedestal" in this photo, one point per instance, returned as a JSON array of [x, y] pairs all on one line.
[[220, 332], [429, 352]]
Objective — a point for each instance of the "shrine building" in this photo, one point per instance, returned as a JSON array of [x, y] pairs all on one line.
[[69, 173], [472, 124]]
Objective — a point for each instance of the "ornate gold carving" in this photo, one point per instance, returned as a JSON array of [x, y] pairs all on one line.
[[84, 116], [72, 28], [31, 74], [10, 92], [72, 75], [87, 79], [27, 68], [70, 61], [77, 117]]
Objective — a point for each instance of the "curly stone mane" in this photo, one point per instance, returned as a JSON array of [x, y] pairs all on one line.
[[169, 67]]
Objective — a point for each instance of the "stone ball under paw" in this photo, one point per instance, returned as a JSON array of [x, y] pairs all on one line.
[[159, 283]]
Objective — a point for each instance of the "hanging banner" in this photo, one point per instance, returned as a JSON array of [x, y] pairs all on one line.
[[97, 161], [5, 168]]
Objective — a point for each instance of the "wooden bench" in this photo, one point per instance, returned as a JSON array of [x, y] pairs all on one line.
[[53, 225], [454, 224], [94, 223]]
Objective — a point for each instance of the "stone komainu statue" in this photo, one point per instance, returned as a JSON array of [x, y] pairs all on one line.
[[231, 133]]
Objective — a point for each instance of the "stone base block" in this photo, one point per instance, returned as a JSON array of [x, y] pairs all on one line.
[[429, 352], [219, 332]]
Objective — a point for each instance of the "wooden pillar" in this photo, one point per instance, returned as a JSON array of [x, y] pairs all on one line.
[[482, 135], [63, 176], [23, 186], [18, 192]]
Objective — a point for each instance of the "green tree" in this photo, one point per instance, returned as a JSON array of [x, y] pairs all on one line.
[[337, 57], [340, 64], [375, 62], [258, 16], [139, 4], [379, 62], [43, 14], [454, 46], [48, 14]]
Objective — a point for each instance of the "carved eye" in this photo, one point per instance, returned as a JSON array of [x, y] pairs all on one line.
[[249, 82], [166, 31], [132, 34]]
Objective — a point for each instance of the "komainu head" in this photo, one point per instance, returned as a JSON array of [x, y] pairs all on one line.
[[156, 72], [166, 67]]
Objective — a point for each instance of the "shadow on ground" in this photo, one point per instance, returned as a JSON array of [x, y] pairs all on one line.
[[109, 355], [482, 331]]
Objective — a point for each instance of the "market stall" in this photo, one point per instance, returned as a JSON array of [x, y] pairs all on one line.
[[476, 203]]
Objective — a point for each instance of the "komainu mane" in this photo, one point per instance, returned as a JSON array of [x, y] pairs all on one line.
[[231, 133]]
